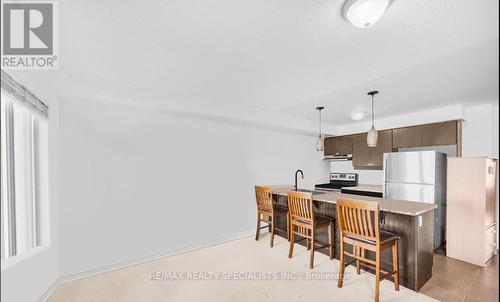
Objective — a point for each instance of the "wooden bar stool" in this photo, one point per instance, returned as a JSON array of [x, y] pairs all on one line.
[[359, 226], [267, 211], [304, 222]]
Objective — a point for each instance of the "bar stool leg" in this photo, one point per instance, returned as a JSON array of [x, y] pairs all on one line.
[[288, 226], [311, 262], [272, 230], [377, 274], [330, 240], [357, 252], [258, 227], [290, 252], [341, 264], [362, 252], [395, 265]]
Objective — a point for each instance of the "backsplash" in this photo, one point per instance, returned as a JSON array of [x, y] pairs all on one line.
[[372, 177]]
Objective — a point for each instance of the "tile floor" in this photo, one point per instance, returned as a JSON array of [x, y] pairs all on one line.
[[453, 280]]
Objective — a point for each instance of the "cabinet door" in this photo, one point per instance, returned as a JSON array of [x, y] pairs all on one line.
[[360, 151], [328, 146], [439, 134], [384, 145], [338, 145], [406, 137], [343, 145]]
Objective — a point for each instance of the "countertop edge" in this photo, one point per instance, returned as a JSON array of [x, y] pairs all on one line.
[[282, 190]]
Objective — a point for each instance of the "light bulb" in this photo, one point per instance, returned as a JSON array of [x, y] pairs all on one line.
[[372, 137], [364, 13], [320, 143]]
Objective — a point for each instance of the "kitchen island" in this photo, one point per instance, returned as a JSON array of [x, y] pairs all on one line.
[[412, 221]]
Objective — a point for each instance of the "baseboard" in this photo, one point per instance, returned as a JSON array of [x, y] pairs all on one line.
[[145, 259], [49, 291]]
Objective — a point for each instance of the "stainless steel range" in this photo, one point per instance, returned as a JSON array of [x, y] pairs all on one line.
[[339, 181]]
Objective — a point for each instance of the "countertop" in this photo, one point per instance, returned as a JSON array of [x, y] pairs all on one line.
[[386, 205], [367, 188]]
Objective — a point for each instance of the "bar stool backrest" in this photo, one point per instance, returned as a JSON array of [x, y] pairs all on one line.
[[264, 197], [300, 206], [359, 219]]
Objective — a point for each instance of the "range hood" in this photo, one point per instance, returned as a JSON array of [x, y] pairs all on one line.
[[338, 157]]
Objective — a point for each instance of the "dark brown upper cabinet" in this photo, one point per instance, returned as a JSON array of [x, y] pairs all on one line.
[[384, 145], [365, 157], [439, 134], [406, 137], [360, 151], [436, 134], [338, 145]]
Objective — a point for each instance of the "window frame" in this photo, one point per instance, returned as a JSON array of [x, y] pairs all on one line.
[[33, 239]]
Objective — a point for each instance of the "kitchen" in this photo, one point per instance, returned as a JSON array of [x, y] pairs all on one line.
[[421, 170], [356, 140]]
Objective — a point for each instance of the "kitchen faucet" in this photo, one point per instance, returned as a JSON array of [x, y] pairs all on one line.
[[296, 173]]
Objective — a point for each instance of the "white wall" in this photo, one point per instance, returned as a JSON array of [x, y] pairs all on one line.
[[478, 130], [29, 279], [138, 182], [447, 113]]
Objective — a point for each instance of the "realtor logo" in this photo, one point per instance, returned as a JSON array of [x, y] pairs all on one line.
[[29, 35]]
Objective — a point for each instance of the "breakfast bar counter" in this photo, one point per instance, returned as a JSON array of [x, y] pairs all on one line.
[[386, 205], [413, 222]]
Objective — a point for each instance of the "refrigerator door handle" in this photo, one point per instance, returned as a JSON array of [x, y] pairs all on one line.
[[385, 165]]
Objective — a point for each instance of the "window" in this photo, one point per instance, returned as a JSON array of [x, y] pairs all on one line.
[[24, 167]]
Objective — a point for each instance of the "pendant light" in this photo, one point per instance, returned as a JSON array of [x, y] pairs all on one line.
[[372, 137], [320, 140]]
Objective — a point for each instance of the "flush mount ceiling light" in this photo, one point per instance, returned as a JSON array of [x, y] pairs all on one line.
[[320, 140], [372, 136], [358, 115], [364, 13]]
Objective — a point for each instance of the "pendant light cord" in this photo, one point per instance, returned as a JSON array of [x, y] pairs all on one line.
[[373, 114], [319, 126]]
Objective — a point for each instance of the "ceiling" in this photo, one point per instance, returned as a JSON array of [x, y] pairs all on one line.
[[283, 56]]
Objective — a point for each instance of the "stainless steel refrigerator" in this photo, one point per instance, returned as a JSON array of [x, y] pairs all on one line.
[[419, 176]]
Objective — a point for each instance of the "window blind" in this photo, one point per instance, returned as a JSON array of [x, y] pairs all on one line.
[[23, 95]]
